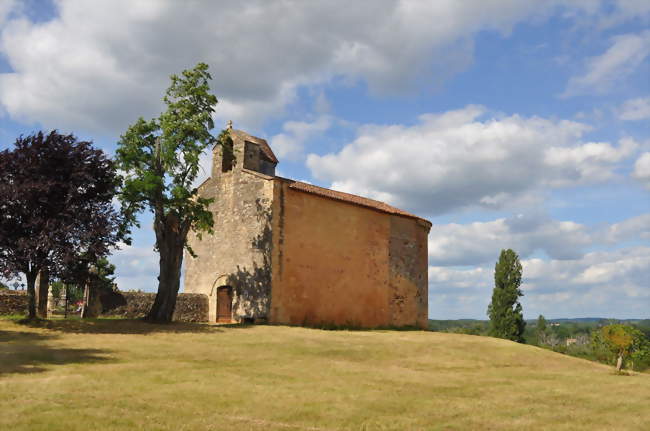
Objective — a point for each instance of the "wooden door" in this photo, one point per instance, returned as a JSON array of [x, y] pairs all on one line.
[[224, 304]]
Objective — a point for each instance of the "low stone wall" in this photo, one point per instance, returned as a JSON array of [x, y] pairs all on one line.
[[190, 307], [14, 302]]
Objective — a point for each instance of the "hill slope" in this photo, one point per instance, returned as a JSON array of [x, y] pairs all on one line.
[[133, 375]]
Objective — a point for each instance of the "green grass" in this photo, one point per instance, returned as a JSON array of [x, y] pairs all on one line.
[[118, 374]]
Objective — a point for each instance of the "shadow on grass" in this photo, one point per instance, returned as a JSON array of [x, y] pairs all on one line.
[[120, 326], [26, 353]]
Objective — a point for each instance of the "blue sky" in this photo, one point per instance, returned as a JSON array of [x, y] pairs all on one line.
[[508, 124]]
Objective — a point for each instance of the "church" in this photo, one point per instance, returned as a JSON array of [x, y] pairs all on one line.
[[288, 252]]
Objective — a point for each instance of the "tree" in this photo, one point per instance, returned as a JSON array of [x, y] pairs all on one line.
[[640, 352], [160, 159], [541, 330], [92, 277], [505, 312], [71, 292], [55, 204], [624, 341]]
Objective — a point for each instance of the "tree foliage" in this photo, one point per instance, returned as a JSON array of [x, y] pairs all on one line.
[[160, 158], [80, 272], [505, 311], [55, 204], [541, 330], [624, 342]]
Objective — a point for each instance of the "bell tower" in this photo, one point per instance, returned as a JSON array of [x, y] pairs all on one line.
[[245, 152], [233, 265]]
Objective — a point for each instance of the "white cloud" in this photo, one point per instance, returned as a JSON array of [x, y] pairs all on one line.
[[635, 228], [290, 143], [608, 12], [466, 158], [136, 268], [598, 283], [642, 169], [613, 271], [623, 57], [635, 109], [623, 11], [587, 162], [6, 7], [479, 242], [100, 67]]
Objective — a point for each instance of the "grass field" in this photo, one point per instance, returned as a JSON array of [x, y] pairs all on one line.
[[118, 375]]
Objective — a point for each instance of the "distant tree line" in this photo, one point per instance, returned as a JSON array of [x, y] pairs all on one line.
[[579, 338], [622, 344]]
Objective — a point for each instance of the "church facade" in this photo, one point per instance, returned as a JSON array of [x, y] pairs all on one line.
[[288, 252]]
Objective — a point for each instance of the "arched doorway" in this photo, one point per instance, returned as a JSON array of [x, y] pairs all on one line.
[[224, 304]]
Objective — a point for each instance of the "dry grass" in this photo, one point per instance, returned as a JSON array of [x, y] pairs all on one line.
[[114, 375]]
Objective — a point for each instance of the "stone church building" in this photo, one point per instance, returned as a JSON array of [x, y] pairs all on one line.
[[288, 252]]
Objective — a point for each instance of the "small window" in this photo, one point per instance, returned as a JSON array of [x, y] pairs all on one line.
[[228, 157]]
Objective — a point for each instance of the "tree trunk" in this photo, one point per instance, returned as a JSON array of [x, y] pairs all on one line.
[[31, 292], [84, 301], [92, 306], [170, 246], [65, 312], [42, 288], [619, 363]]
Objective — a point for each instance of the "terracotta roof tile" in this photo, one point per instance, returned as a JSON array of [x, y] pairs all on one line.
[[347, 197]]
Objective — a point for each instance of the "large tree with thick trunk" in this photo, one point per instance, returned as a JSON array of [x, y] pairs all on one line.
[[55, 204], [160, 161]]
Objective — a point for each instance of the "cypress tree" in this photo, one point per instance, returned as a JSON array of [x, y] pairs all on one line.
[[505, 312], [541, 330]]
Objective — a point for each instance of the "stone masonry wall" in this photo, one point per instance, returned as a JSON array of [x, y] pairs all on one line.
[[190, 307], [408, 291], [13, 302], [238, 254]]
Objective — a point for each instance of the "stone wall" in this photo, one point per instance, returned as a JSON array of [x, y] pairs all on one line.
[[13, 302], [408, 288], [238, 254], [190, 307]]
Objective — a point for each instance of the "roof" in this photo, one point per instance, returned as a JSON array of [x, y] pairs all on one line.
[[264, 146], [350, 198], [321, 191]]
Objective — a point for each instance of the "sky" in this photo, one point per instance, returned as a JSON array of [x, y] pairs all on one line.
[[506, 123]]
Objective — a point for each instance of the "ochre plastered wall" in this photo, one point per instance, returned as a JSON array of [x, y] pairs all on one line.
[[330, 262]]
